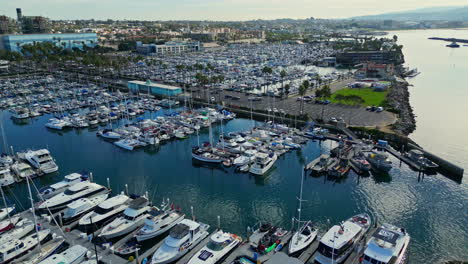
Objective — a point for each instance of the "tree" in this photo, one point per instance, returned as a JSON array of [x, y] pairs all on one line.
[[267, 70], [282, 74], [286, 89], [302, 92]]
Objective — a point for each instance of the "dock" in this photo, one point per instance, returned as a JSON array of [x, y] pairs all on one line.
[[309, 251], [401, 157]]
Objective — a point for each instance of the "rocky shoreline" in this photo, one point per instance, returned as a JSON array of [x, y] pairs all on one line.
[[398, 100]]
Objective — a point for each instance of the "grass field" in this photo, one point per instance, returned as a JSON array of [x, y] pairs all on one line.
[[369, 96]]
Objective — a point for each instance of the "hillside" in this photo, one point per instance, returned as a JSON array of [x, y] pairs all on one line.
[[459, 13]]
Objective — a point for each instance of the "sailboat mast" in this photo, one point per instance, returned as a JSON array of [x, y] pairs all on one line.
[[299, 210], [33, 213]]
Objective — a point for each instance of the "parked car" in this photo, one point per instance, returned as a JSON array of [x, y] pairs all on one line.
[[379, 109]]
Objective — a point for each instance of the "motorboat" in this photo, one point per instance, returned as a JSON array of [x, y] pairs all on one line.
[[6, 178], [379, 161], [41, 159], [361, 164], [320, 164], [56, 188], [388, 245], [20, 113], [8, 224], [105, 212], [129, 143], [182, 238], [109, 134], [57, 124], [73, 193], [6, 159], [418, 157], [246, 158], [23, 170], [158, 222], [205, 156], [4, 212], [16, 248], [82, 206], [72, 255], [220, 244], [263, 163], [133, 217], [21, 229], [340, 240]]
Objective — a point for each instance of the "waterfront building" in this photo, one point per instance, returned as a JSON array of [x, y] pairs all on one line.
[[153, 88], [68, 40], [375, 71], [379, 56], [171, 47]]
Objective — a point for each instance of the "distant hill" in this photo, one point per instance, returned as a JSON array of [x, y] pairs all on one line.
[[457, 13]]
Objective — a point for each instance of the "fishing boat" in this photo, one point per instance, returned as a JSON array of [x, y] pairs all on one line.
[[72, 255], [340, 240], [16, 248], [320, 164], [263, 163], [133, 217], [105, 212], [158, 222], [379, 161], [361, 164], [73, 193], [182, 238], [41, 159], [49, 191], [6, 178], [220, 244], [388, 245], [82, 206]]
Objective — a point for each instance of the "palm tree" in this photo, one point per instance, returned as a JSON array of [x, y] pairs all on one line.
[[302, 92], [282, 74], [266, 70]]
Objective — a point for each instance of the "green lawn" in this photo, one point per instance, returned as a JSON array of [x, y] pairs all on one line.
[[369, 96]]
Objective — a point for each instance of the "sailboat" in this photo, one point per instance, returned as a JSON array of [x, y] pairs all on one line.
[[306, 233]]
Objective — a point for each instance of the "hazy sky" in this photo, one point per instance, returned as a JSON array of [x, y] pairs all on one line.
[[212, 9]]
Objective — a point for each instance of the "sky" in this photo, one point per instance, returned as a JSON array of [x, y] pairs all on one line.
[[223, 10]]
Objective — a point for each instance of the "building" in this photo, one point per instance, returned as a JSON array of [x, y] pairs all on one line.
[[356, 57], [172, 47], [31, 24], [375, 71], [67, 41], [153, 88], [6, 25]]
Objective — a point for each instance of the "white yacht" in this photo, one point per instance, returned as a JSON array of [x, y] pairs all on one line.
[[157, 223], [79, 207], [379, 160], [263, 162], [129, 143], [246, 158], [220, 244], [40, 254], [133, 217], [182, 238], [4, 212], [6, 178], [57, 124], [56, 188], [104, 212], [73, 193], [388, 245], [20, 113], [16, 248], [23, 170], [72, 255], [21, 229], [41, 159], [109, 134], [338, 243], [302, 238], [6, 159]]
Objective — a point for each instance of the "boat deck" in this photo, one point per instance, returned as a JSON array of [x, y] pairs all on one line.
[[245, 250], [194, 250]]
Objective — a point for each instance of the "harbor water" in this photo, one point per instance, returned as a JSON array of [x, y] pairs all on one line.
[[431, 208]]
